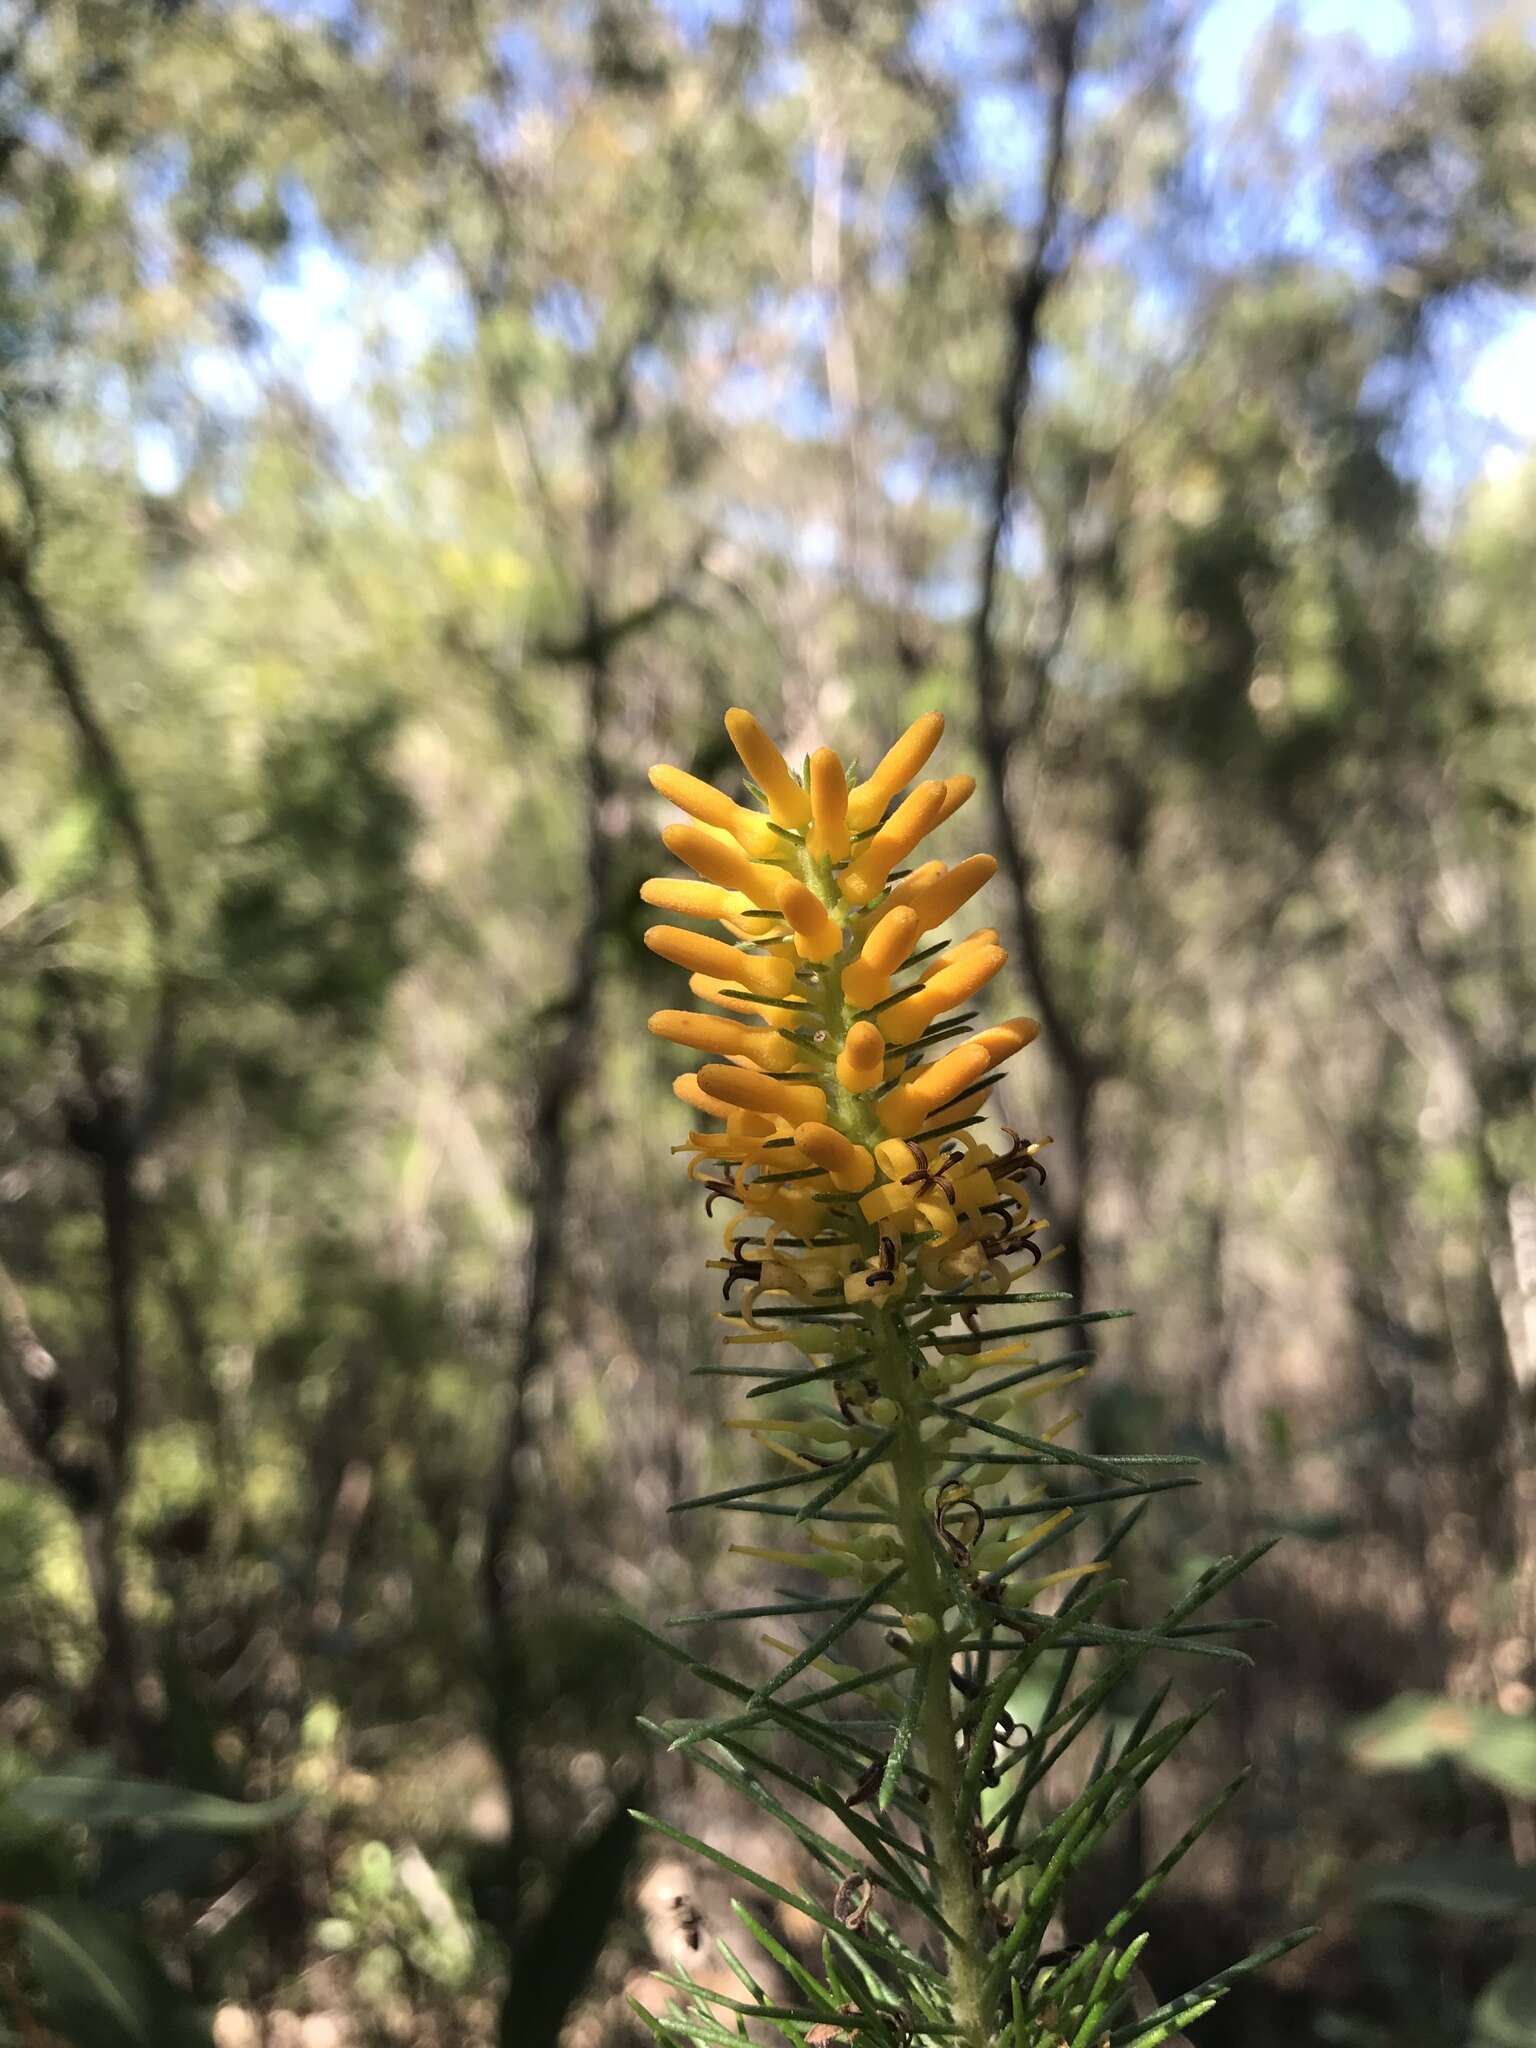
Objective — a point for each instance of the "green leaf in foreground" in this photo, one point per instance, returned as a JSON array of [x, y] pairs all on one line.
[[101, 1987], [99, 1801]]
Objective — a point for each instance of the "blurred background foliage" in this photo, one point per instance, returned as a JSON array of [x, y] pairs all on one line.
[[416, 418]]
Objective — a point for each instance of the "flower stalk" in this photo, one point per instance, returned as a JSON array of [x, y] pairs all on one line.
[[869, 1228]]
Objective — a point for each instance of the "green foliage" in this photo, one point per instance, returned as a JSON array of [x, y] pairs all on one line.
[[100, 1983], [1417, 1729], [82, 1854], [399, 1925], [354, 359], [1475, 1886], [309, 915]]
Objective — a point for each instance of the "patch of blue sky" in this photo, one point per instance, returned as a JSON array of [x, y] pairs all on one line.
[[1475, 407], [315, 307], [527, 62], [565, 314], [697, 20], [810, 545], [323, 326], [1475, 415], [1227, 38]]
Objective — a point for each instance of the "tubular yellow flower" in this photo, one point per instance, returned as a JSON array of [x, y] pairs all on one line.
[[686, 1088], [937, 897], [850, 1165], [767, 1049], [866, 876], [952, 985], [828, 837], [788, 804], [796, 1102], [895, 771], [817, 937], [910, 1104], [898, 897], [867, 980], [986, 936], [958, 790], [717, 860], [764, 973], [861, 1063], [713, 988], [711, 806], [692, 899]]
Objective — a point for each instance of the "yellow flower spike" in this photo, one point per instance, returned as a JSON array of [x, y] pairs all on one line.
[[828, 837], [701, 899], [946, 990], [788, 803], [765, 973], [722, 861], [937, 897], [750, 829], [861, 1063], [911, 1103], [862, 1230], [817, 936], [797, 1103], [766, 1048], [850, 1165], [866, 876], [869, 801], [867, 980]]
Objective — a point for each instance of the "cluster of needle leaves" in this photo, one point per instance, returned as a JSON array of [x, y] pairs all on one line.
[[829, 1749]]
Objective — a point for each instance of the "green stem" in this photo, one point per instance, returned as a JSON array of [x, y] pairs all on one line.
[[959, 1892]]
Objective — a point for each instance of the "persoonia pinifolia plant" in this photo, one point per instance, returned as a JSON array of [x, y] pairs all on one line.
[[878, 1236]]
